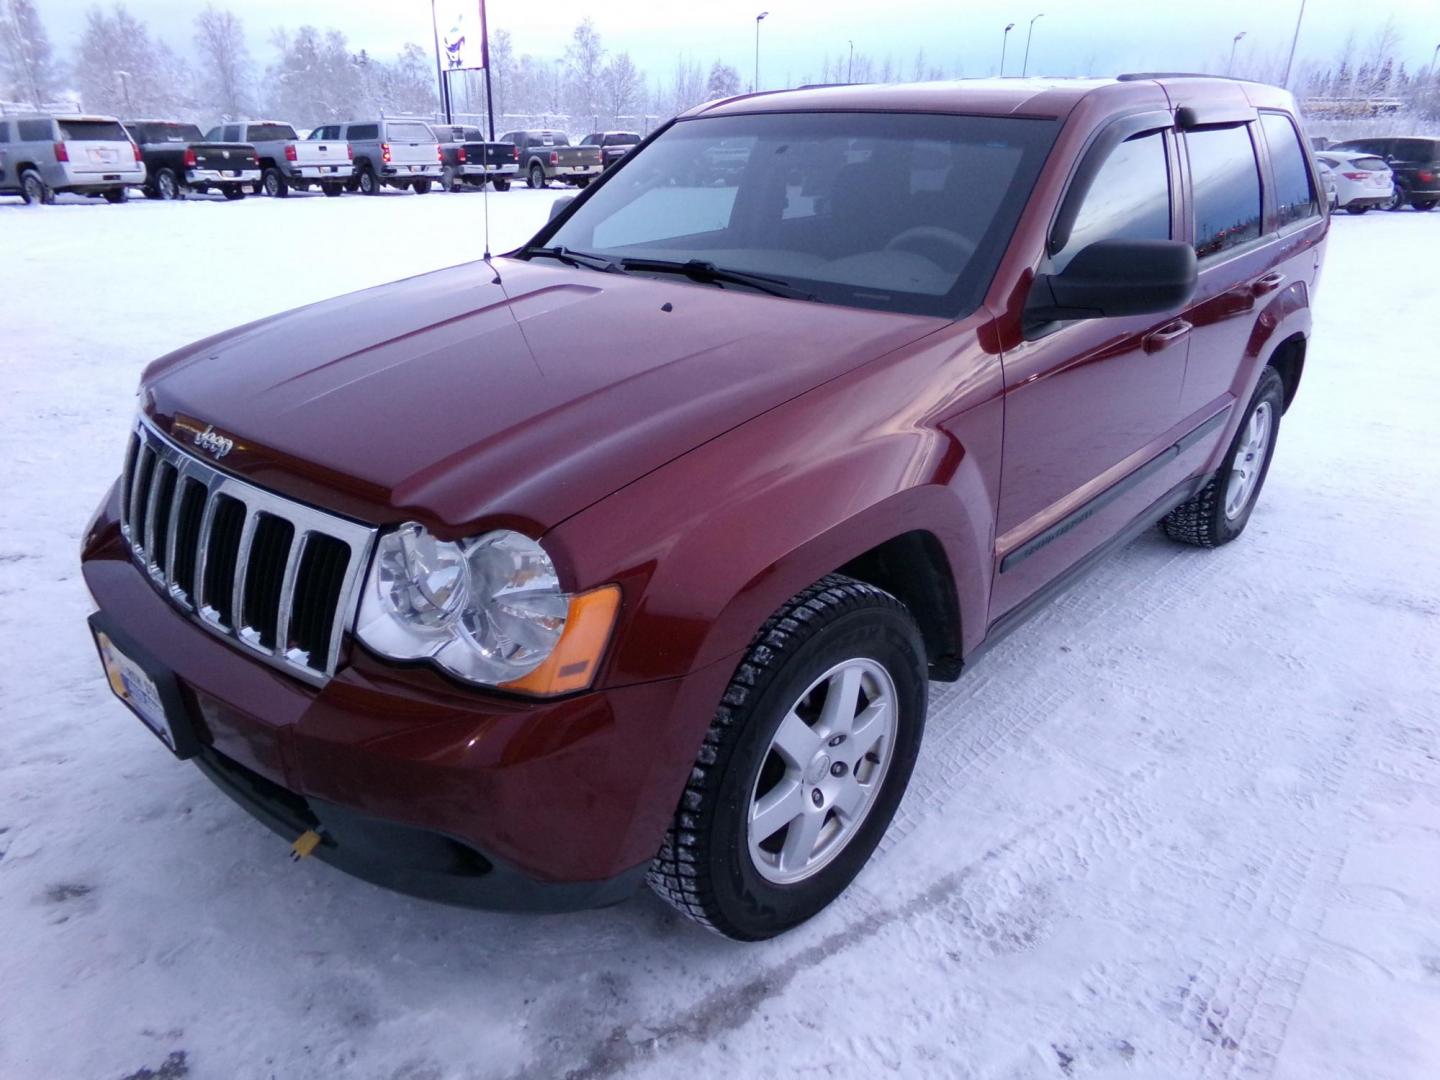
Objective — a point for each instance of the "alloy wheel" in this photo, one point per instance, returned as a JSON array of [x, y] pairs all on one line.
[[1249, 461], [824, 768]]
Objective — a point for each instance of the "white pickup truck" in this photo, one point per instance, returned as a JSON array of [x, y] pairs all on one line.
[[288, 162]]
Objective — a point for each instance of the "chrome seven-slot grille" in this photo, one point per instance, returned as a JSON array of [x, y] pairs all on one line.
[[276, 576]]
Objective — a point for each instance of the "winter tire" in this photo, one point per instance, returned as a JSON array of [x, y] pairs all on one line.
[[274, 184], [537, 176], [116, 195], [166, 186], [333, 191], [233, 192], [1398, 198], [1220, 512], [1357, 209], [803, 766], [422, 187], [34, 190], [369, 182], [501, 184], [1425, 204], [583, 182]]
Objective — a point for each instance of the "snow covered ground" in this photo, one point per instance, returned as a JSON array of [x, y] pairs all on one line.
[[1184, 824]]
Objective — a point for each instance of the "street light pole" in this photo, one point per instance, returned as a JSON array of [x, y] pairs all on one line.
[[850, 70], [1025, 67], [1229, 68], [440, 68], [125, 86], [1285, 82], [758, 18], [1004, 40]]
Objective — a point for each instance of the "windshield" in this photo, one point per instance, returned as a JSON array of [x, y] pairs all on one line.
[[900, 212]]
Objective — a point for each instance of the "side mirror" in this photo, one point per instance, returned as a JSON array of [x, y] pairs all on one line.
[[1113, 278], [558, 206]]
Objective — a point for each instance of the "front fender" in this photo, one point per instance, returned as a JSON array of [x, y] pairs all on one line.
[[707, 547]]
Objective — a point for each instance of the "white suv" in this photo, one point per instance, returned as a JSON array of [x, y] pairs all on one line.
[[43, 155]]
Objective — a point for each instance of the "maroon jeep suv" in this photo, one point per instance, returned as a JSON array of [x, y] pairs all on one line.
[[629, 555]]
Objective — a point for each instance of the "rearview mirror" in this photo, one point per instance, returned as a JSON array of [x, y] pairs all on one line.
[[558, 206], [1112, 278]]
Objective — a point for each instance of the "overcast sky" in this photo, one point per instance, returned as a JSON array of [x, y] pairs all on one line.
[[1074, 36]]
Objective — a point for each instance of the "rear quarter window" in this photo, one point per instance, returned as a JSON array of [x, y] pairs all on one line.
[[1422, 151], [363, 132], [1225, 185], [35, 130], [1294, 194]]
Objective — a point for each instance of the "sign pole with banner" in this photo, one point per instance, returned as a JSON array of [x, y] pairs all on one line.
[[440, 67], [462, 43], [485, 49]]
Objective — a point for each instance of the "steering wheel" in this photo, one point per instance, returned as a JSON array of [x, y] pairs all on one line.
[[928, 238]]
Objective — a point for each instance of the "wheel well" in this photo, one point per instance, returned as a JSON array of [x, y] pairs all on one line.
[[267, 163], [1289, 360], [912, 567]]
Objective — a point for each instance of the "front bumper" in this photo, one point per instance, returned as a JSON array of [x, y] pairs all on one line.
[[219, 176], [414, 782]]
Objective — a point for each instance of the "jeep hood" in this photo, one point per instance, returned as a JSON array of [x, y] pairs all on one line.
[[457, 400]]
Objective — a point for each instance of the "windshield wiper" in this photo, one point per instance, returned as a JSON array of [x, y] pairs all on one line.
[[700, 270], [576, 258]]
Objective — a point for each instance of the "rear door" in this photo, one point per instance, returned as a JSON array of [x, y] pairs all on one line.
[[1238, 274], [96, 146], [1091, 408], [411, 143]]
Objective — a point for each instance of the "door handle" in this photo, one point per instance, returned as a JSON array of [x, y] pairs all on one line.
[[1167, 335], [1268, 284]]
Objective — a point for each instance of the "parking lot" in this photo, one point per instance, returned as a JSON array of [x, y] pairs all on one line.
[[1183, 824]]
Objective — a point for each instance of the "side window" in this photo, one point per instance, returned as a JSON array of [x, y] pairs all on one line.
[[1294, 195], [233, 133], [1129, 198], [1226, 185], [35, 131], [363, 132], [1417, 151], [4, 131]]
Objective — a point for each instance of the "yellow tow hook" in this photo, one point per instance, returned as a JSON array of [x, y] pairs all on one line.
[[304, 845]]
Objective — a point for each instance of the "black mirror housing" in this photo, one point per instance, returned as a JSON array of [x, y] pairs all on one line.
[[1113, 278]]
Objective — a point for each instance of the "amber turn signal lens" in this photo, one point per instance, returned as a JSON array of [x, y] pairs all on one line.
[[576, 658]]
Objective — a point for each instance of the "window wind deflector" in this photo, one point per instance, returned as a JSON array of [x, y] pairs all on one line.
[[700, 270], [582, 259]]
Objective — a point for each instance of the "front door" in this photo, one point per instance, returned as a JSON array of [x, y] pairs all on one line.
[[1089, 406]]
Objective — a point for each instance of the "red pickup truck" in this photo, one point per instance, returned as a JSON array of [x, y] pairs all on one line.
[[475, 607]]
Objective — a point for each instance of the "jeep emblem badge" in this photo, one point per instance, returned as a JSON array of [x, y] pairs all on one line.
[[212, 441]]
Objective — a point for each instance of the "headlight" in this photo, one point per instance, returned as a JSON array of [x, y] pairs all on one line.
[[489, 610]]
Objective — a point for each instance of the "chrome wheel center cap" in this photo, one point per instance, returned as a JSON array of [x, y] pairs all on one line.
[[817, 769]]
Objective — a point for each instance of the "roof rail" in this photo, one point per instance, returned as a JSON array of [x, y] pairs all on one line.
[[1146, 76]]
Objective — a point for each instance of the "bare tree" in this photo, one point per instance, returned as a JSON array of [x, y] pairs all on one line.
[[687, 86], [724, 81], [27, 63], [226, 71], [584, 70], [623, 86], [120, 69]]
